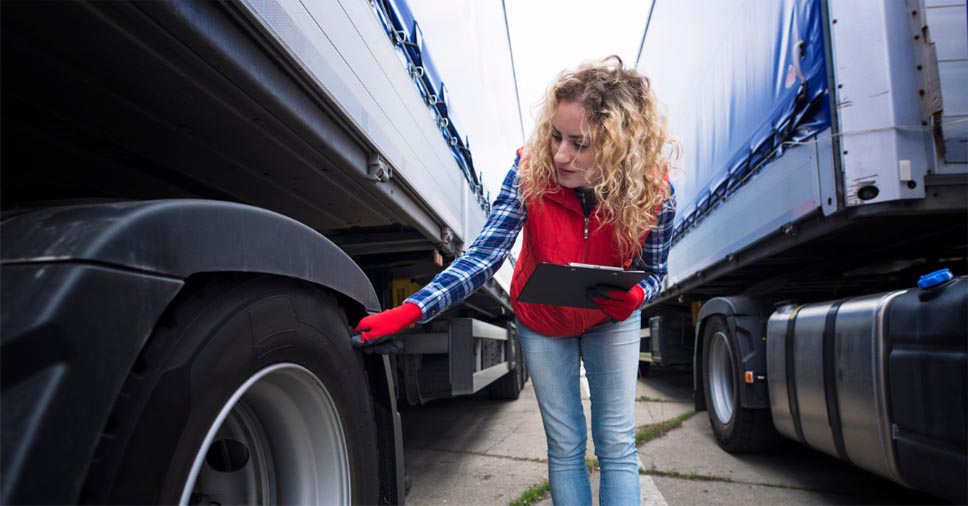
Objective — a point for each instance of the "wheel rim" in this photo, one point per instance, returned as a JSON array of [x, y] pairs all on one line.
[[722, 378], [278, 440]]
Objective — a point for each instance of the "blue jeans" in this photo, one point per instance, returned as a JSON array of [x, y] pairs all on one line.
[[610, 352]]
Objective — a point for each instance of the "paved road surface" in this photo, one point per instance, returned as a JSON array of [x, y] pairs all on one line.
[[478, 451]]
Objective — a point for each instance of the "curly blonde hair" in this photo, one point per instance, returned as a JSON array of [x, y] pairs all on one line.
[[630, 135]]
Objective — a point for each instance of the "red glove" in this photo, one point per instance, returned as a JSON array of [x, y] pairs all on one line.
[[619, 304], [388, 322]]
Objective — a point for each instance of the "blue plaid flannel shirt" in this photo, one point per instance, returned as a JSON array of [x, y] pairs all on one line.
[[486, 254]]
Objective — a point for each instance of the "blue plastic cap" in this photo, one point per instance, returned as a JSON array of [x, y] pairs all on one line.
[[935, 278]]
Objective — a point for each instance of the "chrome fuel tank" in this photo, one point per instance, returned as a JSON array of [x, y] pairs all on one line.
[[877, 380]]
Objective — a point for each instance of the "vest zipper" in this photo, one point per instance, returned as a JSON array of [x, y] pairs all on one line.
[[586, 212]]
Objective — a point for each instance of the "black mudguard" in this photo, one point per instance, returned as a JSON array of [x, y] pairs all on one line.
[[178, 238], [746, 319]]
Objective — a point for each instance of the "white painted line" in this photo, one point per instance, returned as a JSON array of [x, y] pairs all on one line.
[[650, 493], [585, 391]]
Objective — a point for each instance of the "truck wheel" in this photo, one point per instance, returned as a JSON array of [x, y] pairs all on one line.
[[737, 429], [248, 393], [509, 386], [644, 368]]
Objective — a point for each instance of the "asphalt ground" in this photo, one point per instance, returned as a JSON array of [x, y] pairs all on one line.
[[475, 450]]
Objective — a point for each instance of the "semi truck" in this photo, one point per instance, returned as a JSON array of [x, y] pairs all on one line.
[[824, 171], [199, 202]]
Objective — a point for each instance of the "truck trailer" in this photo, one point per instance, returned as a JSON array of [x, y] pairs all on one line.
[[199, 202], [825, 170]]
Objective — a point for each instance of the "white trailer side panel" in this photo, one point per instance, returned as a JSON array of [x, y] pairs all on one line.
[[342, 47]]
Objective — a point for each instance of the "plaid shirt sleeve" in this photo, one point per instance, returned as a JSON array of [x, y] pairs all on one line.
[[485, 256], [655, 252]]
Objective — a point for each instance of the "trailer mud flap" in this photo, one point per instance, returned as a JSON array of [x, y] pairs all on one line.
[[746, 321]]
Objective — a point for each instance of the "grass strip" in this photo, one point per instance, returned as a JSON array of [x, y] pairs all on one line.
[[479, 454], [694, 476], [533, 494], [655, 430], [537, 492], [646, 398], [647, 433]]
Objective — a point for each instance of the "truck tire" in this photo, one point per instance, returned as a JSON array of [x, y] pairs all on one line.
[[248, 392], [737, 429], [644, 368], [509, 386]]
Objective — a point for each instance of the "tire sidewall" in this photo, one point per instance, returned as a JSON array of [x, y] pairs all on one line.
[[723, 431]]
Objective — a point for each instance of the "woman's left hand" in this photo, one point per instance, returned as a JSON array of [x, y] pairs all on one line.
[[619, 304]]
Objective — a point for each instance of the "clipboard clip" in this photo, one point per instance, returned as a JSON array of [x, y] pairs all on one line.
[[600, 267]]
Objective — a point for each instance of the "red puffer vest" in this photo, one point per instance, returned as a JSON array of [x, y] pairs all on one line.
[[557, 231]]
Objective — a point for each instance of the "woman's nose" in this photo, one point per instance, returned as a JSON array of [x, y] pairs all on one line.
[[562, 156]]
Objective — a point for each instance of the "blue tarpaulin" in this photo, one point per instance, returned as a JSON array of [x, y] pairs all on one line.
[[740, 79], [405, 34]]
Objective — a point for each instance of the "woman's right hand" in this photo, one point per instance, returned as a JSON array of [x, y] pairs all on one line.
[[388, 322]]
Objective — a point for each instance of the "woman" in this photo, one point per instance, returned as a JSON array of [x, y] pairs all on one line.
[[592, 187]]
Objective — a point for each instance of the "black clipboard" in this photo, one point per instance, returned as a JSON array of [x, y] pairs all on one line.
[[566, 285]]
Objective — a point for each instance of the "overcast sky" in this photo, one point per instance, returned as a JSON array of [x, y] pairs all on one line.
[[470, 48]]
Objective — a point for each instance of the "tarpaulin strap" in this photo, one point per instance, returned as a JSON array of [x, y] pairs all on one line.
[[791, 374], [830, 380]]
